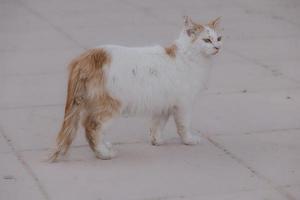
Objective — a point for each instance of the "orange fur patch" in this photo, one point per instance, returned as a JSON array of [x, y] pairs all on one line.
[[86, 90], [214, 23], [171, 50], [99, 111], [198, 27]]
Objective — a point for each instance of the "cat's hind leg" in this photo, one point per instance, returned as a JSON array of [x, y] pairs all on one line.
[[182, 121], [100, 115], [95, 129], [158, 123]]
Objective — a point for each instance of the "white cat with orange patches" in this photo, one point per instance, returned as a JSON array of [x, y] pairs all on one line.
[[110, 81]]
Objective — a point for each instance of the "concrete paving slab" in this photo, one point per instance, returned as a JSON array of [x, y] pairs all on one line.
[[294, 190], [233, 114], [276, 10], [141, 171], [288, 69], [172, 12], [254, 89], [15, 183], [245, 26], [31, 128], [245, 195], [251, 78], [32, 90], [92, 32], [267, 51], [23, 30], [274, 155], [36, 62], [35, 40]]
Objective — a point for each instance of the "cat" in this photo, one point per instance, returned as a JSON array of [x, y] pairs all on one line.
[[111, 81]]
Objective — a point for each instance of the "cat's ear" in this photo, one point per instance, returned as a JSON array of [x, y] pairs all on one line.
[[215, 24], [191, 27], [187, 22]]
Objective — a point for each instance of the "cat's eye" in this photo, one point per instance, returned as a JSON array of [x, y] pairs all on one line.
[[207, 40], [219, 38]]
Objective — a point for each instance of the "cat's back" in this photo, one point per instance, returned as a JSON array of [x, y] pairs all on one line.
[[137, 62], [118, 50]]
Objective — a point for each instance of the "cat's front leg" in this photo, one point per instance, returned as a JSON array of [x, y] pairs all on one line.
[[158, 123], [182, 121]]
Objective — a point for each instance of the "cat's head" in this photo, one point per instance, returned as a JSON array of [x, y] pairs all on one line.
[[205, 38]]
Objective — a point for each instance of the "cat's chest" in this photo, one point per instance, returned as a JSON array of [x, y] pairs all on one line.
[[197, 74]]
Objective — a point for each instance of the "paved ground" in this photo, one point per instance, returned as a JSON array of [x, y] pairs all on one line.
[[249, 117]]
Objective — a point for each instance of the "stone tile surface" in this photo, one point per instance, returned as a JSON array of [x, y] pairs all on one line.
[[4, 147], [249, 115], [233, 113], [15, 182], [294, 190], [273, 155], [141, 170]]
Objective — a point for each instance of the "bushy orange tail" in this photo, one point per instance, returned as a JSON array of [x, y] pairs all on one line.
[[75, 97], [85, 72]]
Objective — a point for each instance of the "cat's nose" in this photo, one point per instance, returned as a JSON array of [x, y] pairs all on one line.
[[217, 48]]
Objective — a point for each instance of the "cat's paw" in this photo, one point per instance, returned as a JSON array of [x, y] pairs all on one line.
[[105, 151], [156, 141], [191, 140]]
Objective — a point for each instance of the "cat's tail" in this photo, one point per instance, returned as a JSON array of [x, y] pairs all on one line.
[[74, 103], [86, 74]]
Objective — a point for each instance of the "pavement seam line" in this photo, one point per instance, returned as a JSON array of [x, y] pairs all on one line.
[[262, 131], [262, 65], [248, 167], [47, 21], [270, 15], [147, 12], [25, 165]]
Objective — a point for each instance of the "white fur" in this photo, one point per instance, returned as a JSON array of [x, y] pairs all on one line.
[[105, 151], [148, 82]]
